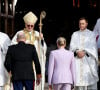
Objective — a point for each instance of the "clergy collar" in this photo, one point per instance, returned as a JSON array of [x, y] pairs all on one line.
[[83, 30]]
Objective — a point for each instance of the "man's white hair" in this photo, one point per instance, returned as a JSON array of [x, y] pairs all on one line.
[[20, 35]]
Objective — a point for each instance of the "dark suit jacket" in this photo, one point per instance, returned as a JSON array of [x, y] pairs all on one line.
[[19, 61]]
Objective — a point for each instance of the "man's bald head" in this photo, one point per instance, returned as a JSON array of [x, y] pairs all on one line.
[[21, 36]]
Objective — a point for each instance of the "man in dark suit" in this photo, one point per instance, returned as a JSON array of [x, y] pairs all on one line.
[[18, 62]]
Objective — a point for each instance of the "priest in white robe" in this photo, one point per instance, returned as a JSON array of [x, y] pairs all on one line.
[[83, 44], [35, 38], [96, 30], [4, 43]]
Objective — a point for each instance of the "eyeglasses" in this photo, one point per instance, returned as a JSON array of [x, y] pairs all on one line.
[[30, 26]]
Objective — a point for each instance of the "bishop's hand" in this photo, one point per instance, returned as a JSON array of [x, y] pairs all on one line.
[[80, 54], [41, 36]]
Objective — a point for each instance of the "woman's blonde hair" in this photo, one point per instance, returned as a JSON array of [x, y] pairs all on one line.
[[61, 41]]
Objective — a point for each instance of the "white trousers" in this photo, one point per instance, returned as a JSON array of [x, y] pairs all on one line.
[[62, 87]]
